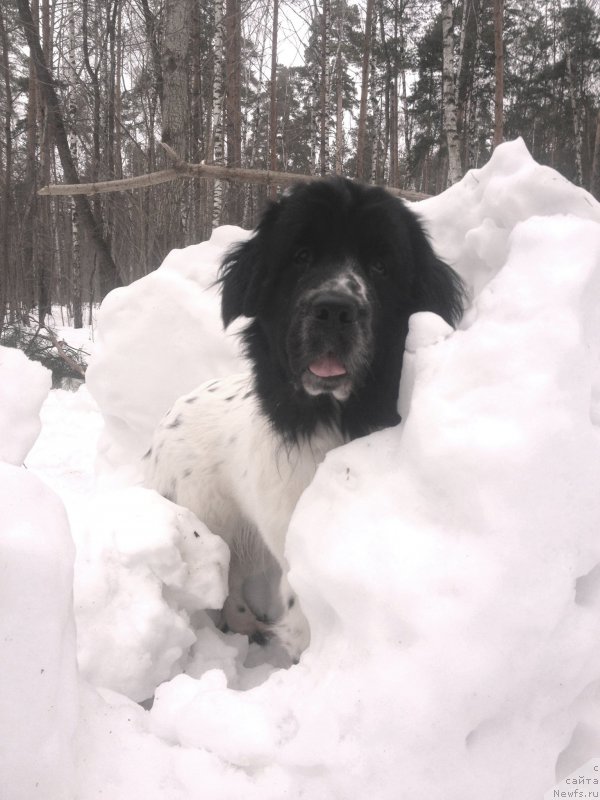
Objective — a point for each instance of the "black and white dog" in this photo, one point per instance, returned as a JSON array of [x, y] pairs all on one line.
[[329, 279]]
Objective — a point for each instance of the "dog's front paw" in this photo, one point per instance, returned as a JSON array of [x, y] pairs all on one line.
[[237, 617]]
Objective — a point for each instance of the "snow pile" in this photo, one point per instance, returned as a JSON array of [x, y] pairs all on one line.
[[144, 566], [449, 567], [470, 223], [24, 386], [157, 339], [65, 451], [38, 686]]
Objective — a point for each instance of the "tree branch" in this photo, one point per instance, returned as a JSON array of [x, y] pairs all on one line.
[[184, 170]]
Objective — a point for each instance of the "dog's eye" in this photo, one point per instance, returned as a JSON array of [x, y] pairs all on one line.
[[302, 256], [378, 267]]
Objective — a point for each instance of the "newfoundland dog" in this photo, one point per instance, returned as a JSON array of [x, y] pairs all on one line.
[[328, 281]]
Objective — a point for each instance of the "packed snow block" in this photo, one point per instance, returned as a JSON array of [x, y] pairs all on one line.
[[144, 567], [24, 385], [157, 339], [38, 674]]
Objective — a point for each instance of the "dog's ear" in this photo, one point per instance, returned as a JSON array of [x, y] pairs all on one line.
[[437, 286], [244, 271]]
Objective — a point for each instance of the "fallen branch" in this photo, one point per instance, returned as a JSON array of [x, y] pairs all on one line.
[[40, 343], [183, 169], [60, 349]]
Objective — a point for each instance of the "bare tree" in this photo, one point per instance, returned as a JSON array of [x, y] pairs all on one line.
[[46, 85], [72, 126], [449, 93], [233, 98], [216, 144], [576, 109], [273, 94], [175, 114], [595, 179], [364, 90], [499, 61], [5, 227]]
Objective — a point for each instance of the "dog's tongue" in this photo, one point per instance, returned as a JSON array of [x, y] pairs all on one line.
[[327, 367]]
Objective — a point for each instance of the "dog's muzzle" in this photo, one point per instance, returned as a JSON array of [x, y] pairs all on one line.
[[335, 342]]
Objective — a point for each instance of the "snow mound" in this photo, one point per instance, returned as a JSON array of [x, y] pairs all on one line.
[[157, 339], [144, 567], [38, 686], [471, 222], [449, 568], [24, 385]]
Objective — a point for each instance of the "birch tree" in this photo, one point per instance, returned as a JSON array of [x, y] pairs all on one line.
[[449, 93], [499, 60], [364, 92]]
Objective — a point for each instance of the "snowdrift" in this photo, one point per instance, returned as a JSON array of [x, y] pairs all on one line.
[[449, 567]]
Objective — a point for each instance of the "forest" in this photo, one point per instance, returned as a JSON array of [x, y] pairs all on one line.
[[197, 98]]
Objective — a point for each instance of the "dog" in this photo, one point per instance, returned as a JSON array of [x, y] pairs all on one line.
[[328, 281]]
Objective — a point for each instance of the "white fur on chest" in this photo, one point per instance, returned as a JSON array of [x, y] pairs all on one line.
[[216, 453]]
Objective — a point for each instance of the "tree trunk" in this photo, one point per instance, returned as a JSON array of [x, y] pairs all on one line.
[[324, 89], [45, 237], [364, 91], [175, 116], [46, 83], [595, 176], [233, 100], [449, 93], [151, 25], [75, 250], [5, 229], [577, 126], [499, 61], [216, 148], [27, 276], [273, 96], [339, 113]]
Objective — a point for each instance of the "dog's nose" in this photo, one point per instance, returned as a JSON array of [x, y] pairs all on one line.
[[334, 309]]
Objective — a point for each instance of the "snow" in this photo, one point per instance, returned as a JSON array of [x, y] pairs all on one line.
[[449, 567], [39, 687], [24, 386]]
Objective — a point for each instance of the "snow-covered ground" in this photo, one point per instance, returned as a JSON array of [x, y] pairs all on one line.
[[449, 567]]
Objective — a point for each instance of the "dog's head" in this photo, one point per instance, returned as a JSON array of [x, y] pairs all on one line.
[[330, 276]]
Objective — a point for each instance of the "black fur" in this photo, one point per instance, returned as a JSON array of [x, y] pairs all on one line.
[[314, 234]]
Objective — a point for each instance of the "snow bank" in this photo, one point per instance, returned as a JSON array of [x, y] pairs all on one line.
[[144, 566], [38, 675], [157, 339], [471, 223], [24, 386], [449, 568]]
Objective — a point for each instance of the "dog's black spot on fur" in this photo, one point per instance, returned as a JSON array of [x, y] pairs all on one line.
[[311, 367], [241, 609], [291, 602], [196, 534], [176, 422]]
